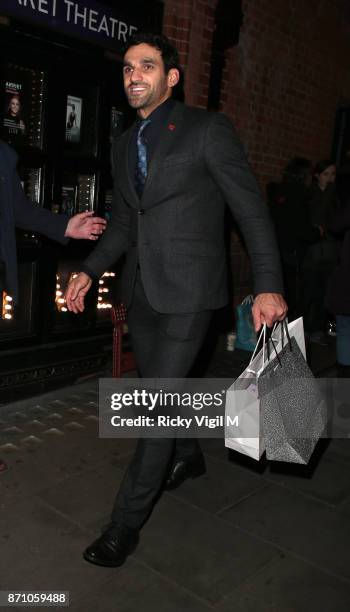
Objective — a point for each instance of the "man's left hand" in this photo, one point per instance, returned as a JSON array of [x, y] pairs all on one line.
[[85, 226], [268, 308]]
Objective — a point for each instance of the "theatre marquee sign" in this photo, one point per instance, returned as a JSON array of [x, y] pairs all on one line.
[[87, 18]]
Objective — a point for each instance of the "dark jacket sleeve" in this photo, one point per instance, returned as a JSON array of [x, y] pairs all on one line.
[[28, 216], [230, 169]]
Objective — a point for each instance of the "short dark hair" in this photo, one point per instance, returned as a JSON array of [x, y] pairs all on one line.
[[322, 165], [158, 41], [297, 170]]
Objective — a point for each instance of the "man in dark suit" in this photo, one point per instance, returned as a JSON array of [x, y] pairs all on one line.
[[17, 211], [174, 169]]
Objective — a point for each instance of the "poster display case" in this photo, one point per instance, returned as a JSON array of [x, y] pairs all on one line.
[[60, 110], [78, 193], [32, 182], [22, 93]]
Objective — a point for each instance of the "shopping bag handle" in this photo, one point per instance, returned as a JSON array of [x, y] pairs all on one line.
[[284, 329], [268, 351], [266, 346], [262, 334]]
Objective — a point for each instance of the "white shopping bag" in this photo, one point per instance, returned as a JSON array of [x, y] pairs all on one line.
[[243, 422]]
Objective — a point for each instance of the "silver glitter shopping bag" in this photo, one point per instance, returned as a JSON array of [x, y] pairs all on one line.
[[242, 400], [293, 410]]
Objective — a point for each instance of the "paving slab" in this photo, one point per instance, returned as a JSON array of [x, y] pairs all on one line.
[[43, 551], [27, 473], [329, 482], [344, 509], [56, 459], [289, 585], [339, 449], [136, 587], [298, 524], [199, 551], [88, 498]]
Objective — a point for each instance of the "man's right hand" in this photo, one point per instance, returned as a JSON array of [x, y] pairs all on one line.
[[76, 292]]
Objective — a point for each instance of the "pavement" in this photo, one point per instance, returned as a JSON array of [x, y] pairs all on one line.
[[246, 537]]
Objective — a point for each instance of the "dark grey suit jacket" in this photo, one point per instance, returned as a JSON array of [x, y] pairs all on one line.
[[176, 230], [17, 210]]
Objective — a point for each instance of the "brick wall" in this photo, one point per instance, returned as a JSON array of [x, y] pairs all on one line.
[[282, 83], [284, 80], [190, 24]]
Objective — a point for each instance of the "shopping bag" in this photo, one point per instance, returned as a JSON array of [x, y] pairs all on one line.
[[242, 404], [245, 434], [293, 409], [242, 409], [246, 335]]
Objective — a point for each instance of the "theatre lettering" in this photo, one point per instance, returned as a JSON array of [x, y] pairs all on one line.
[[87, 18]]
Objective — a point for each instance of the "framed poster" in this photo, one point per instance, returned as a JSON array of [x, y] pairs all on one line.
[[22, 93], [117, 124], [81, 120], [69, 195], [14, 108], [73, 118]]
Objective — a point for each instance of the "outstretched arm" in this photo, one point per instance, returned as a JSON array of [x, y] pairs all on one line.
[[85, 226], [28, 216]]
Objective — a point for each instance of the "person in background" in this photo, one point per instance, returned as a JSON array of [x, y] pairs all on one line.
[[323, 198], [289, 207], [17, 211], [321, 256], [338, 291]]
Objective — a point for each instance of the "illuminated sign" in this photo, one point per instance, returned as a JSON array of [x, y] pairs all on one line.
[[88, 18]]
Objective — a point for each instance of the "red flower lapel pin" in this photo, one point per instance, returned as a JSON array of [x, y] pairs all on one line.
[[171, 127]]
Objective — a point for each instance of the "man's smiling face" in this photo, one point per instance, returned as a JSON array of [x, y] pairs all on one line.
[[146, 83]]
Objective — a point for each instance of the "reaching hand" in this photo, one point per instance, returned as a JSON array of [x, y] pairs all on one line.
[[268, 308], [85, 226], [76, 292]]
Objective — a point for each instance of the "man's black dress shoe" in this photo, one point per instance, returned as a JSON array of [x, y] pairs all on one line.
[[113, 547], [191, 467]]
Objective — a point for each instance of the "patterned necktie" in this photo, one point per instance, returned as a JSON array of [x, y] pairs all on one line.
[[141, 164]]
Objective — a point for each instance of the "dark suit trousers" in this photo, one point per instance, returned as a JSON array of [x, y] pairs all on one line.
[[165, 346]]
